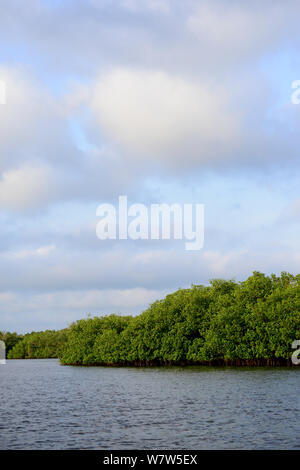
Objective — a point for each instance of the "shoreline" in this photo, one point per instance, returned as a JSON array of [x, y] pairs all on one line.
[[214, 363]]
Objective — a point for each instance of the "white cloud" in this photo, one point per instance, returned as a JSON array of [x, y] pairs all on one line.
[[32, 122], [239, 31], [25, 188], [42, 251], [154, 115], [109, 300], [217, 262], [183, 83], [58, 309]]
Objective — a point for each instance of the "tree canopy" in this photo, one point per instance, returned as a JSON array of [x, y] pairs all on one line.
[[250, 322], [39, 345]]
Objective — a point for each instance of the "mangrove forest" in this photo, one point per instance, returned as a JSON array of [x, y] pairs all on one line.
[[253, 322]]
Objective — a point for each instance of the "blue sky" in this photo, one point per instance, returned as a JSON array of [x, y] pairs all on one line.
[[164, 101]]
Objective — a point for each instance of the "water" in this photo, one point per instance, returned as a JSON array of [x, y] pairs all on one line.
[[44, 405]]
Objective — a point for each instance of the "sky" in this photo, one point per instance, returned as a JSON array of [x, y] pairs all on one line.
[[164, 101]]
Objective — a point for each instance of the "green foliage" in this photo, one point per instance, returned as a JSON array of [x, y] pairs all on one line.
[[39, 345], [257, 319], [96, 340], [254, 320], [10, 340]]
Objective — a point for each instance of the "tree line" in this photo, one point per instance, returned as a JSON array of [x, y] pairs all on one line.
[[10, 340], [253, 322], [35, 345]]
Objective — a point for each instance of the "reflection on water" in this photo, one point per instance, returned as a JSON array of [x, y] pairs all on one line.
[[44, 405]]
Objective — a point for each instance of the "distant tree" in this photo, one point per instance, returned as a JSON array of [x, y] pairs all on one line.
[[10, 340], [39, 345]]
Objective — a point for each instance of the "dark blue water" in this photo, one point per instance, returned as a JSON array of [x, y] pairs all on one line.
[[44, 405]]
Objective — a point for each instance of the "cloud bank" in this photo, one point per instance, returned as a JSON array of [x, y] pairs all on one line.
[[163, 101]]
